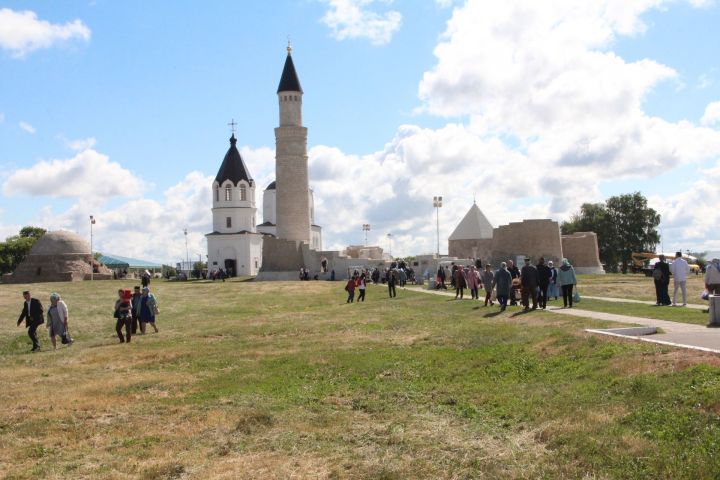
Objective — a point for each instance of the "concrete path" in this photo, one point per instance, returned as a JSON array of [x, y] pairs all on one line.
[[644, 302], [676, 334]]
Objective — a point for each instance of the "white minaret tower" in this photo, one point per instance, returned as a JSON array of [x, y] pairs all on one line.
[[292, 211]]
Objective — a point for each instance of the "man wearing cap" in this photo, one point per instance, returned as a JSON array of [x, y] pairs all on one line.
[[529, 284], [136, 296], [32, 313], [544, 275]]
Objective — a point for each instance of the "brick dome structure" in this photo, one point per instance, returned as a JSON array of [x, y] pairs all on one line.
[[59, 256]]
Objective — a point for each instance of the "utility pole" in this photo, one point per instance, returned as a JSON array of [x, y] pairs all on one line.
[[187, 255], [437, 203], [92, 255]]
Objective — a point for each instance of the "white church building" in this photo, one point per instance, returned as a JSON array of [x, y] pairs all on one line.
[[236, 242]]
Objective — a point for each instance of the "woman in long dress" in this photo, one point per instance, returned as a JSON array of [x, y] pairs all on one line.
[[57, 316]]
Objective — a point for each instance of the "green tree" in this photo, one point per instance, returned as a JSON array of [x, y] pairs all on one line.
[[624, 224], [198, 267], [32, 232], [634, 224], [14, 249]]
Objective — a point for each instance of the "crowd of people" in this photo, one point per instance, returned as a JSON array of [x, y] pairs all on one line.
[[534, 283], [133, 311]]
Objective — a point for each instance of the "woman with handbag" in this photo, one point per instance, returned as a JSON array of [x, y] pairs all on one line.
[[57, 321], [567, 280], [148, 310]]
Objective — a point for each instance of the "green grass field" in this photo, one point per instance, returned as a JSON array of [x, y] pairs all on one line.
[[285, 380]]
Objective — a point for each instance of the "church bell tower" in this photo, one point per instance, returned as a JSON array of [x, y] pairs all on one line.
[[291, 160]]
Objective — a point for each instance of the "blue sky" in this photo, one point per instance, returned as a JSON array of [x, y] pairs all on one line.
[[400, 104]]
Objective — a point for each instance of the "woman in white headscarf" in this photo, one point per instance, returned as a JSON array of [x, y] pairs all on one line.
[[57, 316]]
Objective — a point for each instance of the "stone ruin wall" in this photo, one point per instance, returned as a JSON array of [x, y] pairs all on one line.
[[534, 238], [69, 267], [581, 249], [479, 248], [281, 255]]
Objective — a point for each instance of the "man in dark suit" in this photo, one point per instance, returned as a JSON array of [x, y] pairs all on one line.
[[544, 274], [529, 284], [661, 276], [32, 313]]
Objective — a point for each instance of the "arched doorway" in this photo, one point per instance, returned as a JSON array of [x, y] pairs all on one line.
[[230, 268]]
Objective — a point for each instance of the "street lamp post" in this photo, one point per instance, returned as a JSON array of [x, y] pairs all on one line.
[[390, 237], [437, 203], [366, 229], [92, 256], [187, 254]]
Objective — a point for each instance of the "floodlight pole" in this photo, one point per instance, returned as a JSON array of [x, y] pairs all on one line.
[[390, 237], [366, 228], [187, 254], [437, 203], [92, 256]]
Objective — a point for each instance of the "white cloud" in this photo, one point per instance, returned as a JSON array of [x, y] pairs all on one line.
[[22, 32], [712, 114], [353, 19], [704, 81], [144, 228], [689, 217], [545, 79], [139, 227], [87, 175], [27, 127], [79, 144]]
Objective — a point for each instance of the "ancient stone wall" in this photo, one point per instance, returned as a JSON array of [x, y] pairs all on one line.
[[534, 238], [478, 248], [281, 255], [581, 249]]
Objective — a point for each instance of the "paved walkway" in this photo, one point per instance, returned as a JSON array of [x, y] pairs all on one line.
[[676, 334], [644, 302]]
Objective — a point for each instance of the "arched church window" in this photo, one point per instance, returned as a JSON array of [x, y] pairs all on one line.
[[217, 194], [228, 193], [228, 222], [243, 193]]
